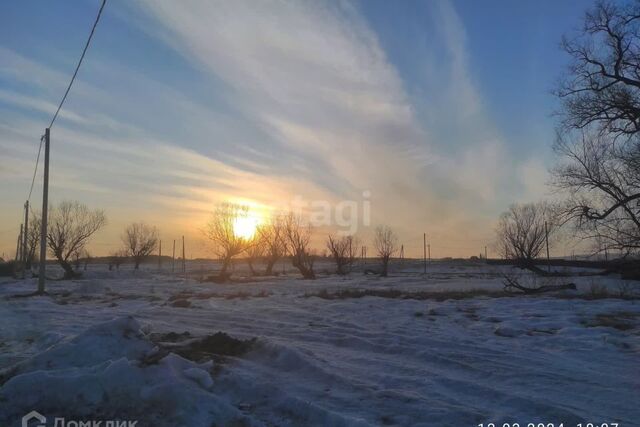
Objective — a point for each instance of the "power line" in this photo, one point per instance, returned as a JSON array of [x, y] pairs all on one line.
[[84, 51], [35, 169], [55, 116]]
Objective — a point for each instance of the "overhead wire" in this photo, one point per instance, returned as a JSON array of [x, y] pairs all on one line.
[[75, 73], [66, 93], [35, 169]]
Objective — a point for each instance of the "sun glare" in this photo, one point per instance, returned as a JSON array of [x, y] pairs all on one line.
[[245, 226]]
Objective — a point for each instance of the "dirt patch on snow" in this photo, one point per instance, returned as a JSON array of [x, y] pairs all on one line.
[[219, 346], [622, 321]]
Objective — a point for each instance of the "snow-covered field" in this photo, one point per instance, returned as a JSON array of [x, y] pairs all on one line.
[[143, 346]]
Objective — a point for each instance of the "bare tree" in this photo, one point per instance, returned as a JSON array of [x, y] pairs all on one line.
[[602, 83], [140, 240], [598, 140], [602, 180], [76, 259], [87, 259], [255, 250], [273, 236], [71, 226], [116, 259], [221, 231], [533, 284], [386, 244], [33, 239], [298, 238], [521, 231], [343, 251]]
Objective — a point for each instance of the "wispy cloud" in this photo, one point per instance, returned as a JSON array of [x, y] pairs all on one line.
[[37, 104], [314, 77], [304, 101]]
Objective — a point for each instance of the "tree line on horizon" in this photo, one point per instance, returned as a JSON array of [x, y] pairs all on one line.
[[286, 235]]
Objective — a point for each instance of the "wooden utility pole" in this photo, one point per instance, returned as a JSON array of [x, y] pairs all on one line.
[[173, 257], [184, 267], [401, 252], [160, 255], [546, 238], [45, 214], [18, 251], [25, 243], [429, 251], [424, 252], [485, 253]]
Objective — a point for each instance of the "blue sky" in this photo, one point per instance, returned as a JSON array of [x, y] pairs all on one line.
[[442, 110]]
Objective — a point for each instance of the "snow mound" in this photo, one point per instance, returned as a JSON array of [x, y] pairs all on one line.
[[102, 374], [115, 339]]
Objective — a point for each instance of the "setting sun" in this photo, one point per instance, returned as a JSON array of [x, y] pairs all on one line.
[[245, 226]]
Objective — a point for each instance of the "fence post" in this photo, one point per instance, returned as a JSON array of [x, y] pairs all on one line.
[[184, 267], [173, 257], [424, 252]]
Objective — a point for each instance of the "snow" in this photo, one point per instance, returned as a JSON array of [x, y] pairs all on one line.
[[102, 371], [90, 350]]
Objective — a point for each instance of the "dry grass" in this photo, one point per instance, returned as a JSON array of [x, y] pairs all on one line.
[[598, 291], [621, 320], [398, 294], [185, 295], [459, 295]]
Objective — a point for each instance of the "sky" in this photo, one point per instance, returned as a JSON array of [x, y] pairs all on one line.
[[433, 116]]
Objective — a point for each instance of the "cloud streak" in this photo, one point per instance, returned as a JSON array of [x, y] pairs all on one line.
[[314, 77], [299, 99]]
